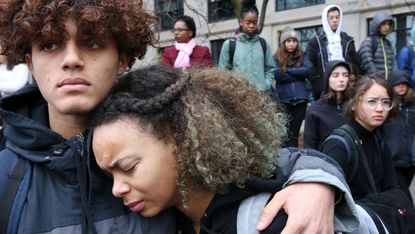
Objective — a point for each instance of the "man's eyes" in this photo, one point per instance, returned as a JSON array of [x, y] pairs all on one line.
[[93, 45], [49, 46]]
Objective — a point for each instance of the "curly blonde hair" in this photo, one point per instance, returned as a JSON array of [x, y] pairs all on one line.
[[225, 130], [24, 22]]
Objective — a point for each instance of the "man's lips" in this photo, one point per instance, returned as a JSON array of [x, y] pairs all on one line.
[[73, 81], [136, 207]]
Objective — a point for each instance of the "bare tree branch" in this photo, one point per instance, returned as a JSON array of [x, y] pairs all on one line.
[[262, 15]]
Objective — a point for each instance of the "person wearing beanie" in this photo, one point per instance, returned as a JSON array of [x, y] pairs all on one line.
[[400, 133], [376, 52], [332, 44], [406, 57], [326, 114], [291, 70]]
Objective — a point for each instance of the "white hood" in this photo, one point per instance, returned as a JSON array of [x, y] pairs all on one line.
[[325, 22]]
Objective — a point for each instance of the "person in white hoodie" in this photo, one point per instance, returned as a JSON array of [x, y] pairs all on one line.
[[13, 79], [332, 44]]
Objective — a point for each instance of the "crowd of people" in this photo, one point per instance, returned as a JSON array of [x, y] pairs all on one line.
[[183, 147], [359, 90]]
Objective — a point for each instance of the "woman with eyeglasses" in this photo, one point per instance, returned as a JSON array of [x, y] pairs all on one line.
[[371, 105], [186, 53], [360, 149], [325, 114]]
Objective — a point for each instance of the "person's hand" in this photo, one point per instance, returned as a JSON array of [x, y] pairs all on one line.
[[309, 206]]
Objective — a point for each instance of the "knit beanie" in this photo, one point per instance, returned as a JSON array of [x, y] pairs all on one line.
[[287, 33]]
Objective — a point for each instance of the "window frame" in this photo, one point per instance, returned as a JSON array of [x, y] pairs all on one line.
[[167, 16], [300, 5]]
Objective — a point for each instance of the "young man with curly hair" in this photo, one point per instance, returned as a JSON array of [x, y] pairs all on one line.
[[75, 50]]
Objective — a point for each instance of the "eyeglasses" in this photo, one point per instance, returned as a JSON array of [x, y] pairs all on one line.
[[372, 103], [179, 30]]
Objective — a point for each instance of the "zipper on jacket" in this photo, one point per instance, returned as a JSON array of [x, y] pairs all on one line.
[[385, 60]]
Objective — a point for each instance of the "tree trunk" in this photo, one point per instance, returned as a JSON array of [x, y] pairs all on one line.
[[262, 15]]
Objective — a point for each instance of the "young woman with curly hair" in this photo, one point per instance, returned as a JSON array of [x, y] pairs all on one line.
[[189, 142]]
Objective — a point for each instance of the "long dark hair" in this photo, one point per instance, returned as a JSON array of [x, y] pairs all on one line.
[[286, 59]]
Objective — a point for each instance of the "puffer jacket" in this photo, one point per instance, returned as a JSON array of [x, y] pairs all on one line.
[[291, 85], [382, 61], [400, 136], [63, 190], [249, 60]]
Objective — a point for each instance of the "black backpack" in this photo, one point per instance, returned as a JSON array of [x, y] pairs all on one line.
[[232, 45], [391, 208]]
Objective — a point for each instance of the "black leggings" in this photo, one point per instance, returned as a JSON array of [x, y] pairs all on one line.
[[296, 114]]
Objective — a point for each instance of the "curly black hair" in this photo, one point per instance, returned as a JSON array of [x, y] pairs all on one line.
[[225, 130]]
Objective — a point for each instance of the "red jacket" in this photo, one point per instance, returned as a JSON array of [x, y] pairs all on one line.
[[200, 57]]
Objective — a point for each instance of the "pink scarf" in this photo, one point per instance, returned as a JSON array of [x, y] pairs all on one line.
[[185, 50]]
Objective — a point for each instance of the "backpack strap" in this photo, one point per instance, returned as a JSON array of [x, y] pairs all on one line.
[[9, 193], [349, 143], [232, 45], [263, 45], [361, 154], [249, 212]]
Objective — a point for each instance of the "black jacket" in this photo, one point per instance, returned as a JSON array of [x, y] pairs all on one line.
[[400, 136], [221, 215], [378, 158], [323, 115], [317, 54], [58, 170], [291, 85]]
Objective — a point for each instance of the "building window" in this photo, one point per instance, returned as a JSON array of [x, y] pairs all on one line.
[[401, 34], [291, 4], [219, 10], [215, 48], [306, 34], [167, 11]]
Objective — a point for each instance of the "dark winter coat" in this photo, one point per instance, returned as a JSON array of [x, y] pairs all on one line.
[[221, 214], [374, 62], [323, 115], [400, 136], [291, 85], [378, 158], [53, 182], [317, 54]]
